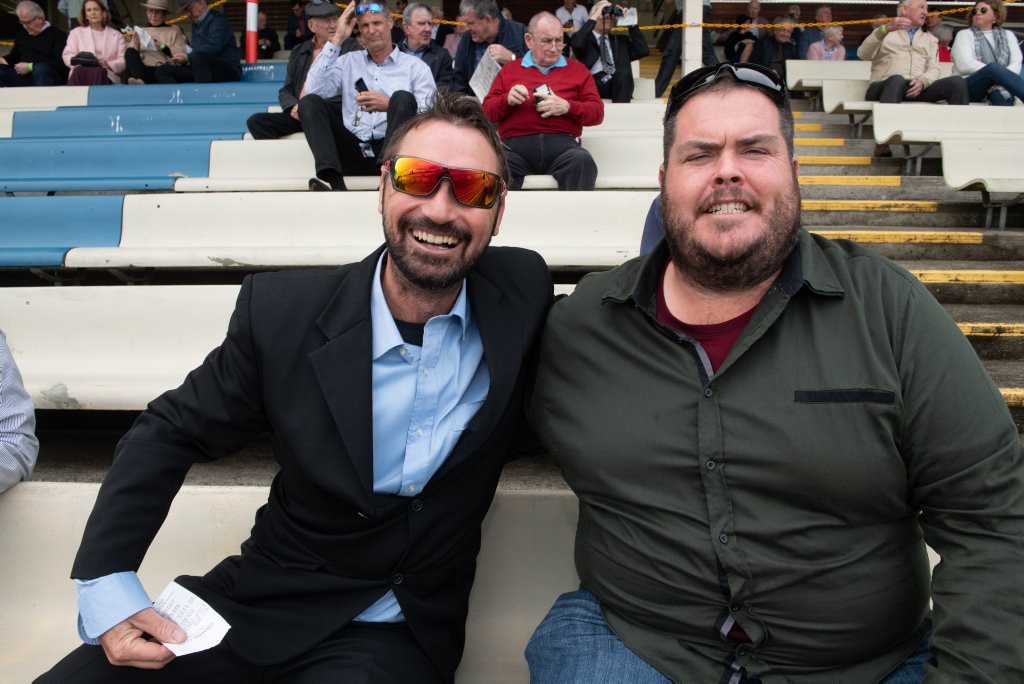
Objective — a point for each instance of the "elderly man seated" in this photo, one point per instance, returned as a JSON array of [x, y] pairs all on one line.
[[541, 103]]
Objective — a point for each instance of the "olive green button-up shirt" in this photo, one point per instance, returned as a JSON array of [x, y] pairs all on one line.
[[794, 491]]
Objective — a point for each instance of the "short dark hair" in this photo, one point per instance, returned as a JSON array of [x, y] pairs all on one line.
[[457, 109]]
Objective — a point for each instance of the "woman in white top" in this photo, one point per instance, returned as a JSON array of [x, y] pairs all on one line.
[[830, 46], [988, 56]]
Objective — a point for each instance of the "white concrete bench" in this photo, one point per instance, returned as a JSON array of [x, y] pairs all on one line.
[[846, 96], [525, 562], [44, 97], [991, 165], [807, 74], [111, 348], [624, 160], [911, 123], [269, 230]]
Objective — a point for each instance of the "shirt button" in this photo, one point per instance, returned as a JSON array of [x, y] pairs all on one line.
[[412, 488], [419, 432], [416, 505], [724, 538], [397, 578], [403, 351], [708, 392], [734, 607], [742, 651], [426, 371], [710, 465]]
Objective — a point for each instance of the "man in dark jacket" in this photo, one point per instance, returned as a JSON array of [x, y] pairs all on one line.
[[322, 19], [486, 31], [608, 55], [36, 58], [773, 49], [392, 389], [418, 23], [214, 57]]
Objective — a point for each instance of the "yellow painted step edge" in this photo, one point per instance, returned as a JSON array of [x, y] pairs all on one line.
[[979, 277], [1014, 395], [870, 205], [935, 237], [992, 329], [869, 181]]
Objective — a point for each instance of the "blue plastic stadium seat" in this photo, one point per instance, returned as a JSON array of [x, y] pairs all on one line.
[[84, 164], [120, 121], [38, 231], [264, 71], [264, 92]]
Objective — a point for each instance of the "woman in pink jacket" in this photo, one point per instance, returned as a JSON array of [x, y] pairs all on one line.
[[94, 35], [830, 46]]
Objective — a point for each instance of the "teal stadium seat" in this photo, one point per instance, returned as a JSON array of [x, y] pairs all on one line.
[[120, 121], [37, 231], [262, 92], [97, 164]]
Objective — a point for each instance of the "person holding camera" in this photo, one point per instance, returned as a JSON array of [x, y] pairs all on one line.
[[608, 55], [541, 103], [381, 87]]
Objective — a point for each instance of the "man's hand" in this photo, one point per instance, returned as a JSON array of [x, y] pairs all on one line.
[[549, 105], [179, 58], [126, 644], [914, 88], [22, 68], [595, 12], [373, 101], [344, 30], [518, 95], [898, 24], [500, 53], [295, 111]]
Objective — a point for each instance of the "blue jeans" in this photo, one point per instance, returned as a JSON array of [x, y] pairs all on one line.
[[990, 75], [574, 644]]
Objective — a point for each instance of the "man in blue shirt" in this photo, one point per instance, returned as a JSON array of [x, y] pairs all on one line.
[[391, 389], [214, 57], [381, 87]]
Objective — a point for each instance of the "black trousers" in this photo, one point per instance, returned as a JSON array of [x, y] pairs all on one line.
[[203, 69], [952, 89], [335, 148], [360, 652], [673, 54], [618, 88], [274, 125], [134, 68]]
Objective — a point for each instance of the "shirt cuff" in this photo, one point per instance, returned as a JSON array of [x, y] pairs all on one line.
[[107, 601]]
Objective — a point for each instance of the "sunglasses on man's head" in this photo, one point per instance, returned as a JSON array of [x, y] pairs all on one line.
[[421, 178], [979, 10], [372, 7], [765, 80]]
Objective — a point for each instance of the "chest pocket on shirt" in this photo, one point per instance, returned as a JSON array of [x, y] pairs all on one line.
[[853, 395]]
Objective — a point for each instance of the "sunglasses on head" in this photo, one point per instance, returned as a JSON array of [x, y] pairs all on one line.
[[979, 10], [612, 9], [371, 7], [765, 80], [422, 177]]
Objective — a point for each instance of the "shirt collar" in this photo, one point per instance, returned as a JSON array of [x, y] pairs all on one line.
[[385, 333], [528, 62], [404, 47]]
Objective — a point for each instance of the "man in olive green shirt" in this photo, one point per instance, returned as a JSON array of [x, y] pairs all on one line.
[[764, 429]]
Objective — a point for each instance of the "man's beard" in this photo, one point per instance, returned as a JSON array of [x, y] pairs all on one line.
[[422, 269], [743, 268]]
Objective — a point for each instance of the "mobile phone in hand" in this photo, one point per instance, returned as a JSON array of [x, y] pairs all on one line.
[[361, 85]]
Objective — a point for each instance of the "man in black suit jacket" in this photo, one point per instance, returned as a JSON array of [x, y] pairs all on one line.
[[322, 20], [311, 357], [418, 23], [587, 46]]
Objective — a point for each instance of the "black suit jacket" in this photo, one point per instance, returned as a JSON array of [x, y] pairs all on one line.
[[624, 48], [440, 63], [296, 363]]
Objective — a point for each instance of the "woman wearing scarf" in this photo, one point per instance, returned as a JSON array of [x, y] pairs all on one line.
[[988, 56]]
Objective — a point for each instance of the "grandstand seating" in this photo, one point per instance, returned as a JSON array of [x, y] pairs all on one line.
[[38, 231], [991, 165]]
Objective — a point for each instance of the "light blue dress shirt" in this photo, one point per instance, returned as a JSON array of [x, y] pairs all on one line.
[[423, 399], [528, 62], [334, 74]]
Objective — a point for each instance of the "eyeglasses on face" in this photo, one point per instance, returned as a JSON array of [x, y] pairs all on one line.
[[27, 23], [979, 10], [547, 42], [372, 7], [421, 178], [765, 80]]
